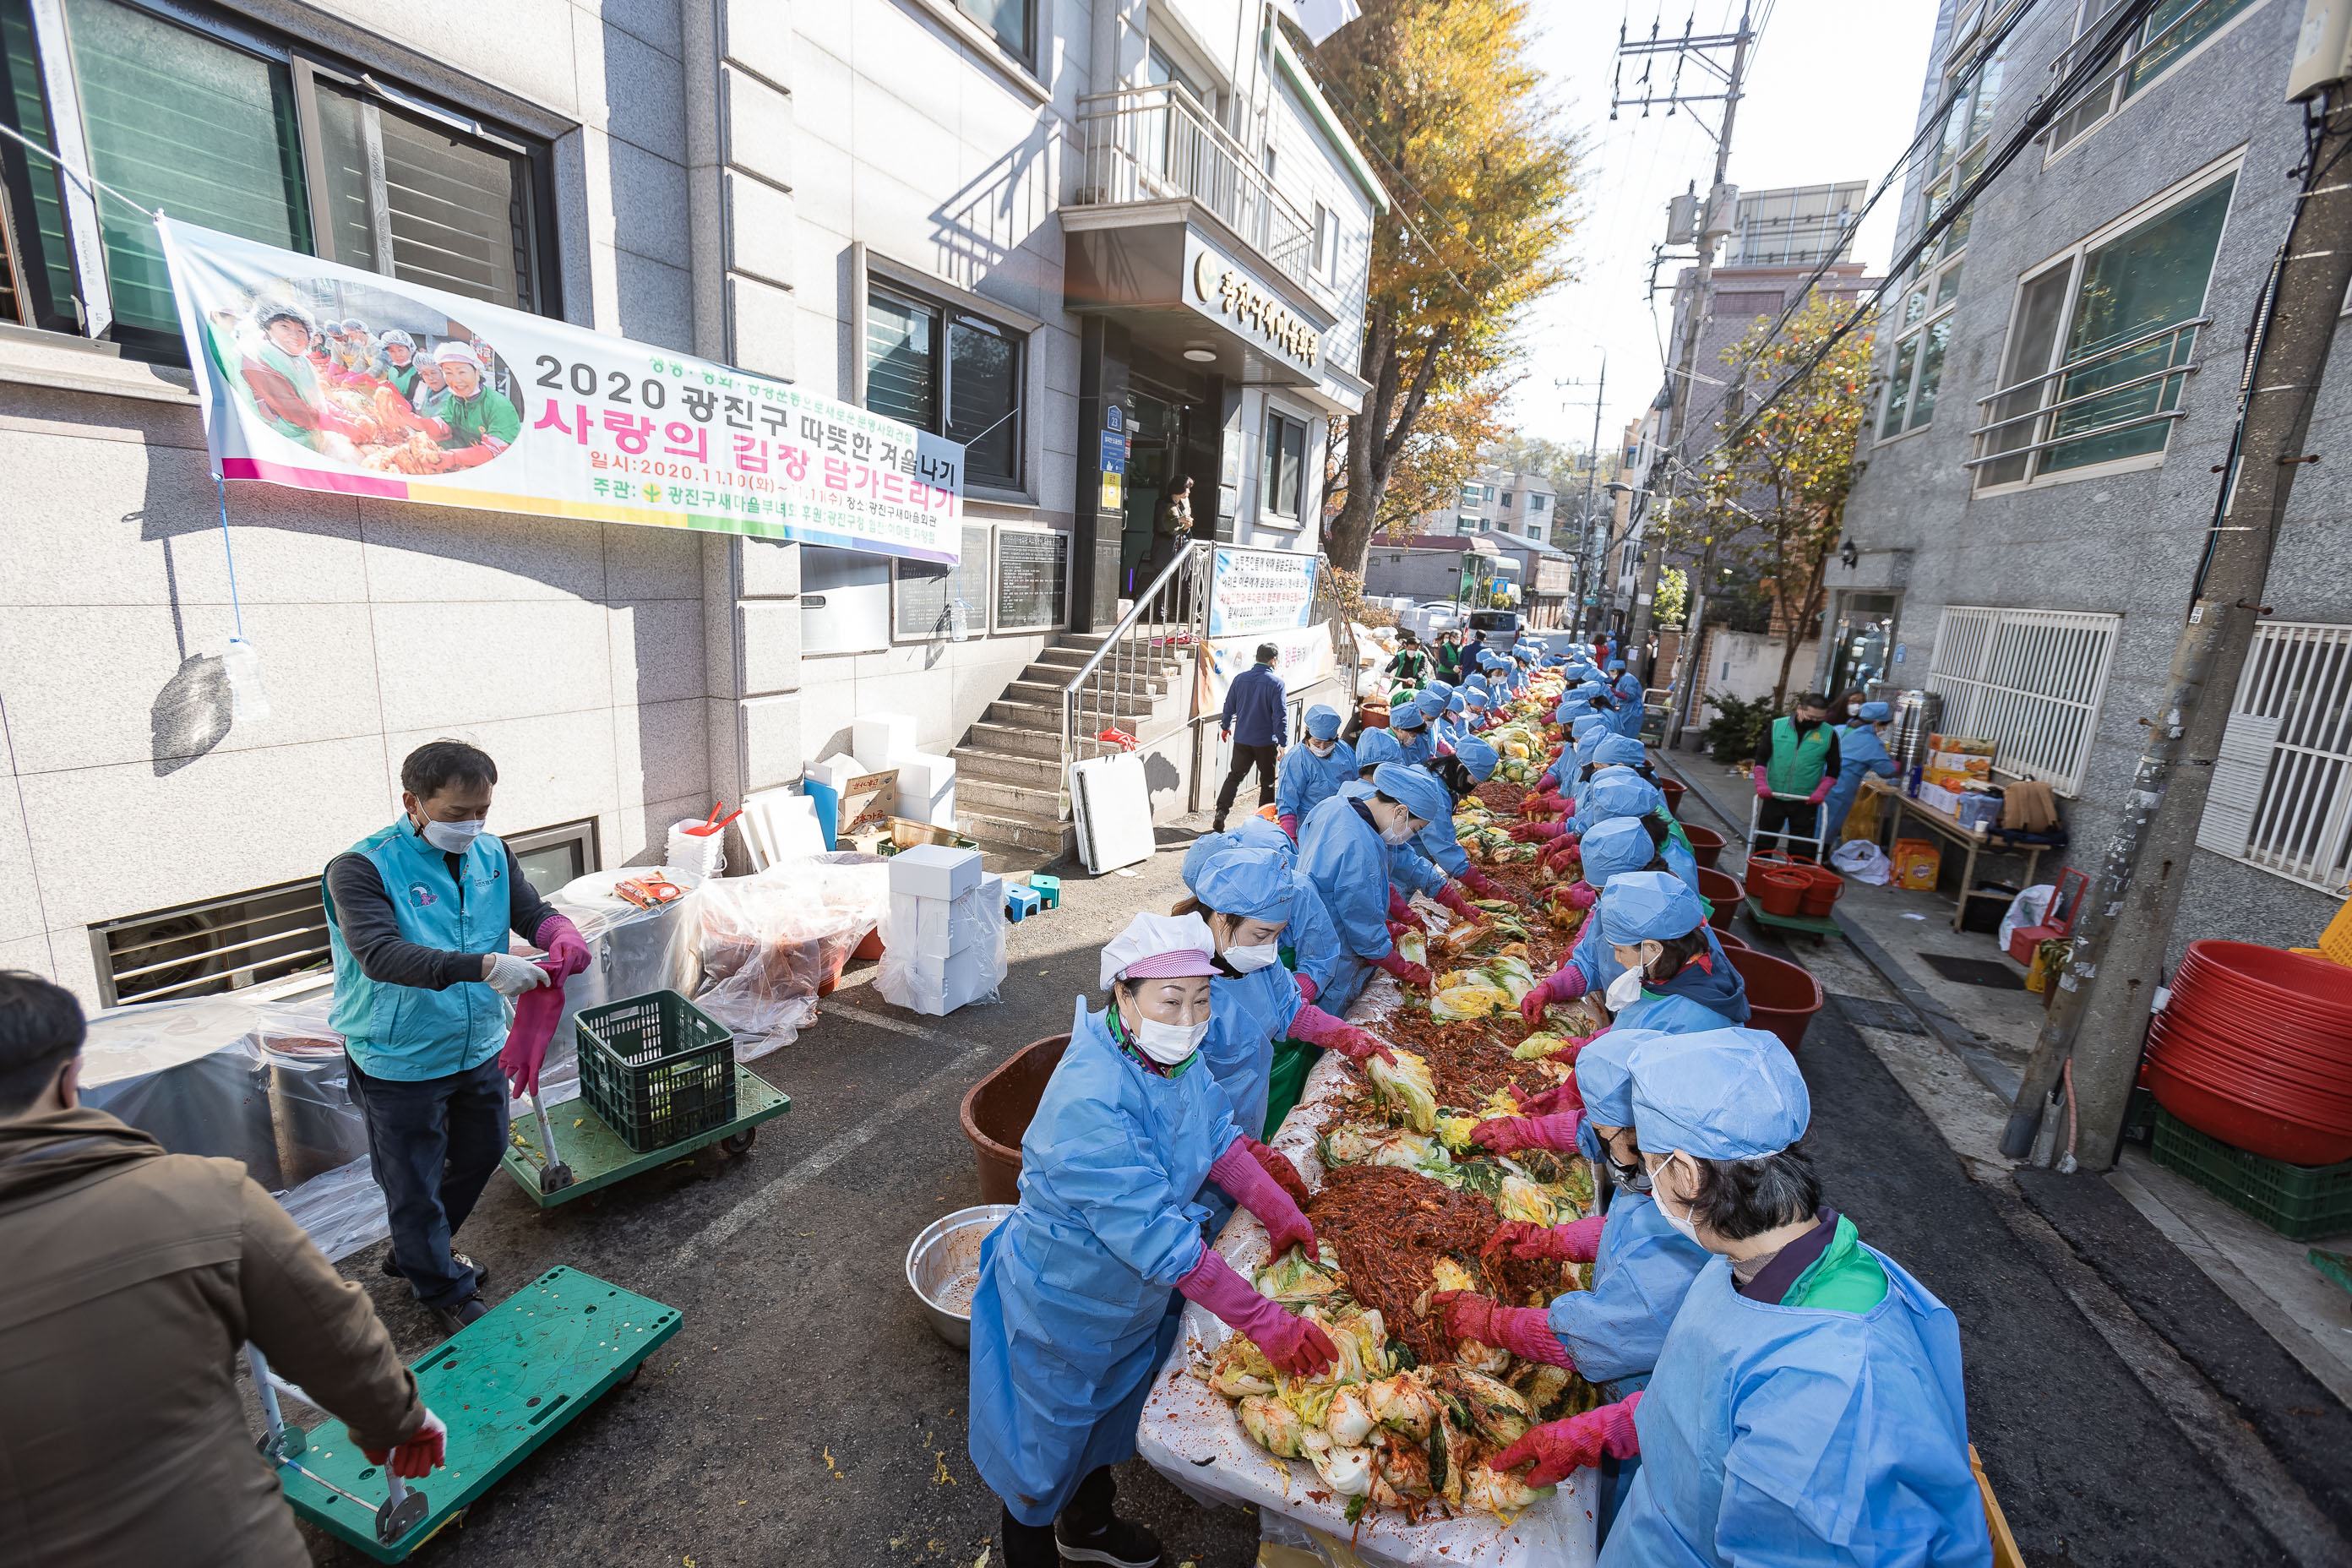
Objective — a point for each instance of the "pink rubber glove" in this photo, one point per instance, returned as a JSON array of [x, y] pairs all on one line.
[[1525, 1332], [1581, 896], [1451, 898], [1250, 1186], [1483, 885], [1292, 1344], [536, 1012], [1538, 832], [1821, 790], [1399, 908], [567, 951], [1564, 984], [1285, 1174], [1308, 989], [1559, 1097], [1290, 826], [1763, 789], [1578, 1241], [1534, 806], [1398, 928], [1509, 1134], [1317, 1028], [1577, 1443], [1565, 855], [1406, 974]]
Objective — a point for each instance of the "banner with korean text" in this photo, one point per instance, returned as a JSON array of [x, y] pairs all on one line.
[[324, 377], [1259, 597]]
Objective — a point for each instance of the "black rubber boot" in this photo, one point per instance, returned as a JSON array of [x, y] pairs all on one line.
[[1088, 1532], [1029, 1545]]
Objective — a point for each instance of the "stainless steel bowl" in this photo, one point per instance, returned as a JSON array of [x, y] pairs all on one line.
[[946, 1253]]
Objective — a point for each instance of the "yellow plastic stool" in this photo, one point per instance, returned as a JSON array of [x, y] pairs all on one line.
[[2336, 941]]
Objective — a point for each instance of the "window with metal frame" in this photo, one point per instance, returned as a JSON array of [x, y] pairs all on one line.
[[1923, 319], [212, 946], [224, 126], [2101, 345], [2029, 680], [2281, 791], [2162, 40], [1012, 23], [951, 372], [551, 856], [1283, 483]]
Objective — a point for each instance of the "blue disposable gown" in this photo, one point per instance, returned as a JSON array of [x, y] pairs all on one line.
[[1071, 1316], [1860, 751], [1374, 747], [1305, 781], [1314, 942], [1701, 995], [1804, 1436], [1247, 1016], [1345, 859], [1628, 717]]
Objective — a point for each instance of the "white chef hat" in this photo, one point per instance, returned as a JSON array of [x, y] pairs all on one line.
[[1157, 946]]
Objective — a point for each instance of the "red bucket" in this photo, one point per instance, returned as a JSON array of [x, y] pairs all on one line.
[[1706, 844], [1781, 996], [1779, 890], [1821, 891], [1673, 791]]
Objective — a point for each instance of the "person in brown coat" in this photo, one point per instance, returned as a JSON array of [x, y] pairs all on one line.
[[132, 1278]]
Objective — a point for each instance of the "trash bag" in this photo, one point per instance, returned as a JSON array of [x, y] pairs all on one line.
[[1864, 861], [769, 943], [2027, 909]]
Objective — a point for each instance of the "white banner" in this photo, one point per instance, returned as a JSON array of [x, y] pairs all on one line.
[[1305, 658], [1259, 591], [323, 377]]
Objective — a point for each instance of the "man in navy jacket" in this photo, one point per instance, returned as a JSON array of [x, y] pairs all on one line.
[[1254, 722]]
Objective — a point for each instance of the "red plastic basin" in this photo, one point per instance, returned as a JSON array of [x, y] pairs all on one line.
[[2310, 982], [2244, 1127], [996, 1112], [2259, 1035], [1730, 940], [1781, 996], [1673, 791], [1705, 844], [1724, 892], [2285, 1084]]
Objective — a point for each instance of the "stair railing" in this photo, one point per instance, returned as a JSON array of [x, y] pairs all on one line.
[[1163, 626]]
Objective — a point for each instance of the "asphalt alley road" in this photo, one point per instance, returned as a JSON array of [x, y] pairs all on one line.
[[805, 1414]]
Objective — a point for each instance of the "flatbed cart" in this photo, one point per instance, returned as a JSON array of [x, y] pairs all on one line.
[[1819, 927], [586, 1156], [503, 1384]]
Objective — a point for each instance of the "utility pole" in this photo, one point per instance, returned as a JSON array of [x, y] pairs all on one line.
[[2100, 1016], [1713, 221], [1584, 559]]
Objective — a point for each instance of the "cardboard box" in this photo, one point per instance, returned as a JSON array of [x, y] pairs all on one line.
[[933, 871]]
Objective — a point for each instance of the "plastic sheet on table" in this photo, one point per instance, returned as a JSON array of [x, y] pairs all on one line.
[[1190, 1434], [262, 1082], [768, 944], [631, 951]]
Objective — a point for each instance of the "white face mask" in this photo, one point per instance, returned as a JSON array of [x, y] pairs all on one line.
[[1681, 1222], [1322, 748], [1624, 991], [1400, 831], [1247, 959], [452, 837], [1169, 1044]]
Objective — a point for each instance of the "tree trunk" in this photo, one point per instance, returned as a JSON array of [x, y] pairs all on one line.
[[1807, 609]]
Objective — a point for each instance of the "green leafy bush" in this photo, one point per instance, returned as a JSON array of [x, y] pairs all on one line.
[[1732, 733]]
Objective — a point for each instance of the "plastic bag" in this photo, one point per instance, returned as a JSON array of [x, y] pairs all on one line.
[[2027, 909], [769, 943], [1864, 861], [630, 951]]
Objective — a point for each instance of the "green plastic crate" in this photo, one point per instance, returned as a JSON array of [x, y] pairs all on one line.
[[655, 1069], [2299, 1202]]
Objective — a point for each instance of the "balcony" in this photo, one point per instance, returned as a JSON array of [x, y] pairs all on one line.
[[1154, 144]]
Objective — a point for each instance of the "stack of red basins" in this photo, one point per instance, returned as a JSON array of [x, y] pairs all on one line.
[[2255, 1048]]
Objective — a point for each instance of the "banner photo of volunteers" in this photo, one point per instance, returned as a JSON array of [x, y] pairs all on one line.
[[324, 377]]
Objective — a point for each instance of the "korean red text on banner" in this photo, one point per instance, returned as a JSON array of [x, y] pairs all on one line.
[[324, 377]]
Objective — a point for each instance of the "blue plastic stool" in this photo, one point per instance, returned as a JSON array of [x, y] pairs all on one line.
[[1048, 891], [1020, 902]]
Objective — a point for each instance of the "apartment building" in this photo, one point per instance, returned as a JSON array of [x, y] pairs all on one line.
[[1101, 246], [2056, 388]]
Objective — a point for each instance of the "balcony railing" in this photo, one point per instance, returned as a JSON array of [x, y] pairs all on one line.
[[1154, 143], [2127, 386]]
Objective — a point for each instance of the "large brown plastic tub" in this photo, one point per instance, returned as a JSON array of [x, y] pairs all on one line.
[[1674, 789], [1724, 892], [1705, 844], [1781, 996], [996, 1112]]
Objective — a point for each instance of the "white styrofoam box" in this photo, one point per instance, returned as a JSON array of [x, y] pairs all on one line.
[[934, 928], [836, 772], [940, 813], [881, 738], [934, 871], [780, 825], [922, 776], [943, 984]]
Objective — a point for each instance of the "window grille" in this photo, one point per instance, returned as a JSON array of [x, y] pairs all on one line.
[[2279, 798], [2029, 680], [217, 945]]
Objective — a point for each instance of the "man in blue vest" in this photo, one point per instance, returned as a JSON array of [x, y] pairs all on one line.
[[418, 916], [1797, 763]]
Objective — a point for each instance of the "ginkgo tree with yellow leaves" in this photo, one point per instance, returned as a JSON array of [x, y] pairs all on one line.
[[1482, 177], [1774, 494]]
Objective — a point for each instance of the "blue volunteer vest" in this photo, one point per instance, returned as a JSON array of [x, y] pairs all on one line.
[[404, 1032]]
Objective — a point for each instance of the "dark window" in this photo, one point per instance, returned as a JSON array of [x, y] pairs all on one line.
[[225, 127], [220, 944], [1284, 479], [924, 361], [551, 856]]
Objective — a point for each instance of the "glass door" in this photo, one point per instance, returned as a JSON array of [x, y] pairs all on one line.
[[1865, 631]]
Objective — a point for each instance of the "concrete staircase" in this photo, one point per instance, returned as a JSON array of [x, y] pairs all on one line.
[[1010, 792]]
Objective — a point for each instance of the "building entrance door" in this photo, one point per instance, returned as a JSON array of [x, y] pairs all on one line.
[[1865, 631], [1155, 448]]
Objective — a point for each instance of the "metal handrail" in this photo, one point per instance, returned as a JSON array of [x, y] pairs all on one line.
[[1186, 560], [2127, 57], [2092, 396], [2123, 348], [1144, 143], [2071, 436]]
